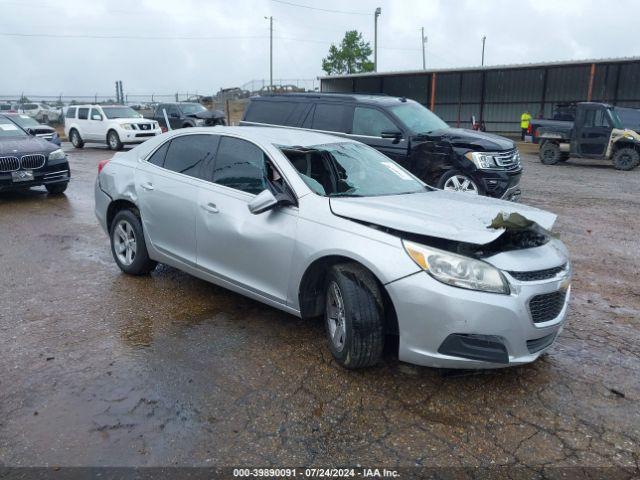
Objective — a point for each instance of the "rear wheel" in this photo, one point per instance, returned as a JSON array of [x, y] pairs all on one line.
[[354, 316], [56, 188], [550, 153], [626, 158], [113, 140], [564, 156], [128, 246], [76, 139]]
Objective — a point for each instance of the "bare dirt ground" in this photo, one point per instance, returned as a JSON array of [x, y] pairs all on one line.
[[99, 368]]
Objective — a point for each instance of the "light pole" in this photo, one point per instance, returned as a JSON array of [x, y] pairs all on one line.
[[270, 52], [484, 39], [375, 38], [424, 43]]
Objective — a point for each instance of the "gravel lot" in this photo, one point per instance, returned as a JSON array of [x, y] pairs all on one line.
[[98, 368]]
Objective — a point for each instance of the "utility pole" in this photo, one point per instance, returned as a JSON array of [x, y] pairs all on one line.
[[270, 53], [375, 38], [424, 46], [484, 38]]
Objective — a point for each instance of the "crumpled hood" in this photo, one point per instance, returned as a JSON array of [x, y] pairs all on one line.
[[25, 145], [207, 114], [449, 215], [474, 140]]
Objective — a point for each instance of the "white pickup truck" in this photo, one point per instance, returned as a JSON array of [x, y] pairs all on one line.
[[115, 125]]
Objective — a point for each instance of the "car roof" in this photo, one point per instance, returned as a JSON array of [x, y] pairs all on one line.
[[369, 99], [272, 135]]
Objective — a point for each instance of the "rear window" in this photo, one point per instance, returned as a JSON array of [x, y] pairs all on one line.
[[83, 113], [331, 117], [71, 112], [276, 113]]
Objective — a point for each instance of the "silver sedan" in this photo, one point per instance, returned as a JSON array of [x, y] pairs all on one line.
[[320, 226]]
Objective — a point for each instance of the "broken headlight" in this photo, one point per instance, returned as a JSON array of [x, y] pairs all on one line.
[[481, 160], [457, 270]]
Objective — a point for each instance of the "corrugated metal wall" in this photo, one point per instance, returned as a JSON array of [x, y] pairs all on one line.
[[499, 96]]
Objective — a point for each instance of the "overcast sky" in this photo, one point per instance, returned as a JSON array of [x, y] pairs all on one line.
[[174, 56]]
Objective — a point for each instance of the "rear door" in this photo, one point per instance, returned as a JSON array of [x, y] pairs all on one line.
[[367, 127], [252, 251], [167, 185], [594, 131]]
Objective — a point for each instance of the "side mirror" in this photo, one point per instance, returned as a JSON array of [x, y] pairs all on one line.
[[393, 134], [96, 117], [263, 202], [30, 131]]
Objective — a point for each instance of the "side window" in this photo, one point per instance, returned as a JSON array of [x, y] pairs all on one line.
[[158, 156], [83, 113], [274, 112], [94, 112], [241, 165], [172, 111], [371, 122], [601, 118], [189, 153], [71, 112], [331, 117]]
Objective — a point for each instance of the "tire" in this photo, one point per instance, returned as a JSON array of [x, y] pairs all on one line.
[[626, 158], [550, 153], [456, 181], [187, 125], [113, 140], [76, 139], [132, 259], [354, 316], [56, 188]]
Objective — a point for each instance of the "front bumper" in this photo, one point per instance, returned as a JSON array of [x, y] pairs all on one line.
[[53, 172], [448, 327], [502, 184], [137, 136]]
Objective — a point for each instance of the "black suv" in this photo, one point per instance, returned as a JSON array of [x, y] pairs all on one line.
[[187, 114], [443, 157]]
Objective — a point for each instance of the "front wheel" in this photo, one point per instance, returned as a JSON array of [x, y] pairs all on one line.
[[626, 158], [550, 153], [455, 181], [76, 139], [113, 140], [56, 188], [128, 246], [354, 316]]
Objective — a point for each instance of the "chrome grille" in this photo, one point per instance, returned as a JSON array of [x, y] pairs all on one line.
[[509, 160], [9, 164], [31, 162], [547, 306], [144, 126], [538, 274]]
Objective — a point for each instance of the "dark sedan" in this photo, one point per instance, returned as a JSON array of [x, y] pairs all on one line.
[[27, 161], [32, 126]]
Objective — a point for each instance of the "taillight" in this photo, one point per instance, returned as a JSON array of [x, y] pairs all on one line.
[[164, 129], [101, 164]]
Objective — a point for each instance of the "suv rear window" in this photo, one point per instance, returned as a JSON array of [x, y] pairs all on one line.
[[71, 112], [331, 117], [83, 113], [276, 113]]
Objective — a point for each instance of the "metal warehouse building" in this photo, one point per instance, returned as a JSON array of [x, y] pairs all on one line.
[[498, 95]]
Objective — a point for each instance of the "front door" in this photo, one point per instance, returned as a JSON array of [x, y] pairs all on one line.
[[368, 125], [252, 251], [94, 129], [594, 135]]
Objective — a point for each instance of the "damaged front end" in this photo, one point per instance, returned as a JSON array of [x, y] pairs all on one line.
[[211, 118]]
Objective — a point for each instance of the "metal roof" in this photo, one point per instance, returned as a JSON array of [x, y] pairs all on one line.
[[485, 68]]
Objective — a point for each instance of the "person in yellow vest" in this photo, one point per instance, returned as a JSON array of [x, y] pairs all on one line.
[[525, 118]]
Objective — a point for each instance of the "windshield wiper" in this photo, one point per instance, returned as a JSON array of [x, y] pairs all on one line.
[[343, 194]]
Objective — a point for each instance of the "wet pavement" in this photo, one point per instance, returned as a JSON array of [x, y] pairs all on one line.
[[99, 368]]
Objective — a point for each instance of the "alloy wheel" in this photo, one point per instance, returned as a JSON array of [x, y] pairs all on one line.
[[124, 242], [113, 141], [460, 183], [336, 317]]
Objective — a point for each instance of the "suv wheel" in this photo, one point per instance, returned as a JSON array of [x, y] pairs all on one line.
[[354, 316], [550, 153], [76, 139], [455, 181], [626, 158], [113, 140], [128, 246]]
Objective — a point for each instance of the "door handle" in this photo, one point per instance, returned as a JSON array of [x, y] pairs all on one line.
[[210, 207], [147, 186]]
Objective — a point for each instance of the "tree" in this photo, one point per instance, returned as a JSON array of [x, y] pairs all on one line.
[[352, 56]]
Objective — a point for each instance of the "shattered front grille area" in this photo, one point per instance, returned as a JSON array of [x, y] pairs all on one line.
[[547, 306], [538, 274]]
